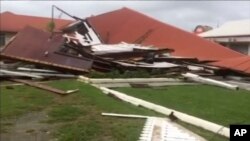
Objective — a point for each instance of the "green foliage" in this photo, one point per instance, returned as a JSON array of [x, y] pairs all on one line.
[[96, 74], [140, 73], [51, 26]]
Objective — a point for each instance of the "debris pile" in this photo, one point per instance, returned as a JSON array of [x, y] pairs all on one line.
[[79, 50]]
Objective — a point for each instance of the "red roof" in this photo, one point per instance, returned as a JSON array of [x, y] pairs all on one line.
[[43, 50], [128, 25], [241, 64], [13, 23]]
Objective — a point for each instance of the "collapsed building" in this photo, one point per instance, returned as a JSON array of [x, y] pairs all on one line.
[[123, 39]]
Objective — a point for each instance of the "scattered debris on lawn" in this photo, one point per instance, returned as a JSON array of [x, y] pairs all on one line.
[[160, 129], [210, 126]]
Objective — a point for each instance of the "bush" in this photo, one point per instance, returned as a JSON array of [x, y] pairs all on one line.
[[140, 73]]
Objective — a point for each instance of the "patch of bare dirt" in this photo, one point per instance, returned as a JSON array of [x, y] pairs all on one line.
[[29, 127]]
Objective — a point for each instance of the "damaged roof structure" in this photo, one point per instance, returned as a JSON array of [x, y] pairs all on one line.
[[42, 50], [121, 39], [240, 64], [130, 26]]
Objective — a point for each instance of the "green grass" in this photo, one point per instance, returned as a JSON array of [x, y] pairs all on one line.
[[219, 105], [76, 116], [203, 133], [22, 99], [90, 125], [65, 113]]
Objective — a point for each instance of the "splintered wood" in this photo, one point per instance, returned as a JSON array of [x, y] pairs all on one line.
[[44, 87]]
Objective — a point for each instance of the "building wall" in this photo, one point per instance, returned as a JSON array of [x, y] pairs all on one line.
[[7, 36], [243, 48], [249, 49], [240, 44], [240, 48]]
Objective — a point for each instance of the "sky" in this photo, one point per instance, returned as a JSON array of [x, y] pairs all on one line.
[[183, 14]]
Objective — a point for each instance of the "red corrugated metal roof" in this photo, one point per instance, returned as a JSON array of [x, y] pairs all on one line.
[[241, 64], [128, 25], [36, 46], [13, 23]]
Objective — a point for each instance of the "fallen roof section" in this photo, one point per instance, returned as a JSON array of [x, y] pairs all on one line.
[[240, 64], [128, 25], [37, 47]]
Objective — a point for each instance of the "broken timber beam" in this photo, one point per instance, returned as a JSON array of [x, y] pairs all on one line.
[[44, 87]]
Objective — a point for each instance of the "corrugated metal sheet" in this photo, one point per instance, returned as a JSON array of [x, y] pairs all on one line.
[[241, 64], [35, 46], [128, 25]]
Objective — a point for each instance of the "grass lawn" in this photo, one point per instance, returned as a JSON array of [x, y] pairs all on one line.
[[22, 99], [78, 115], [219, 105]]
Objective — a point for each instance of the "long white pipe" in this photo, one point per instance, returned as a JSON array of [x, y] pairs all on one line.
[[166, 111], [124, 115], [36, 70], [152, 84], [14, 73], [209, 81]]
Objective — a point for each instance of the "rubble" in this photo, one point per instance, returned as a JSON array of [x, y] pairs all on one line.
[[80, 50]]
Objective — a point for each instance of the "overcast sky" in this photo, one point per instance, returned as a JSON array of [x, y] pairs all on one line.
[[183, 14]]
